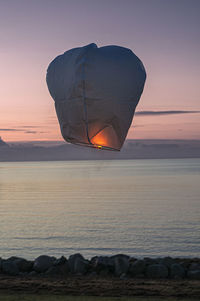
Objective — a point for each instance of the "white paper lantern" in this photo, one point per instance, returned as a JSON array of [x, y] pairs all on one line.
[[96, 91]]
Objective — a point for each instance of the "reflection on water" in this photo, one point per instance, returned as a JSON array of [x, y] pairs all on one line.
[[137, 207]]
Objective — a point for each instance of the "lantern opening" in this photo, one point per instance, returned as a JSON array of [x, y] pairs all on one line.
[[100, 139]]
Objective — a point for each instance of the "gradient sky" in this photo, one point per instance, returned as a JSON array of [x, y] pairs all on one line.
[[165, 34]]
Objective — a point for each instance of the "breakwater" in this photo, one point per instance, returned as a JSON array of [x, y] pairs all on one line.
[[119, 266]]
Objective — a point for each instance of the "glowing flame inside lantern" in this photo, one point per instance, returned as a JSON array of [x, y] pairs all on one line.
[[106, 139], [100, 140]]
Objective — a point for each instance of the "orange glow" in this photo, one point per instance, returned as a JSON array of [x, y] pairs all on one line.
[[99, 140]]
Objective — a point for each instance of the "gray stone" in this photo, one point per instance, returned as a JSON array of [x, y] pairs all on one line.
[[92, 275], [105, 261], [33, 273], [93, 260], [104, 273], [43, 263], [100, 263], [64, 268], [119, 256], [61, 269], [78, 264], [132, 259], [157, 271], [9, 268], [150, 261], [184, 263], [23, 274], [23, 264], [194, 274], [167, 261], [194, 267], [12, 258], [121, 264], [53, 271], [177, 271], [137, 267], [72, 259], [81, 266], [60, 260], [123, 276]]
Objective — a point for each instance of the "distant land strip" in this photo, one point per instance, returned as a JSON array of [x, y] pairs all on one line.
[[165, 112], [132, 149]]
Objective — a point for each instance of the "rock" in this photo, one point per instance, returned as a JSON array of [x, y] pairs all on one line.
[[167, 261], [92, 275], [150, 261], [60, 260], [123, 276], [81, 266], [132, 259], [72, 259], [119, 256], [78, 264], [43, 263], [9, 268], [105, 261], [184, 262], [121, 265], [137, 267], [64, 268], [104, 273], [177, 271], [100, 263], [13, 258], [194, 267], [22, 264], [194, 274], [33, 273], [94, 263], [23, 274], [53, 271], [157, 271]]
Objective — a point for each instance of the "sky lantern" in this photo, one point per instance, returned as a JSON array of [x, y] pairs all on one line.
[[96, 91]]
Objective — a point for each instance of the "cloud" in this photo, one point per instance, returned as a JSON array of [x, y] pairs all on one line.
[[137, 126], [29, 126], [11, 130], [152, 113], [34, 132], [30, 132], [26, 131]]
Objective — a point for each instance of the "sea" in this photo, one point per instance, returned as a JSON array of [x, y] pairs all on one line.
[[142, 208]]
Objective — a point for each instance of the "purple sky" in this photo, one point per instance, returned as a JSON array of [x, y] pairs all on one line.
[[165, 34]]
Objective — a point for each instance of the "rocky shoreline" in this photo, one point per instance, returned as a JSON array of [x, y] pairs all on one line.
[[118, 266]]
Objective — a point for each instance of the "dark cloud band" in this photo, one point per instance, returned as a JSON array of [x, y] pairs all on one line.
[[19, 130], [11, 130]]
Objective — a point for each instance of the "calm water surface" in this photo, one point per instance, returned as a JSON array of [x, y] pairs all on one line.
[[137, 207]]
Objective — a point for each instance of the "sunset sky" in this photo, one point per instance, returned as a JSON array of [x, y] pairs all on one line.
[[165, 34]]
